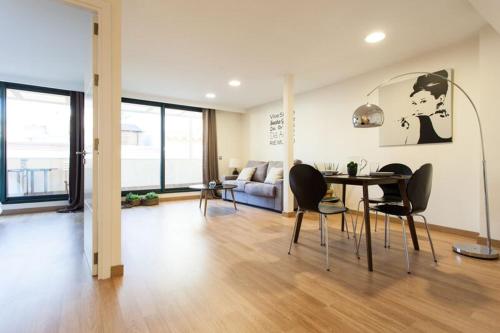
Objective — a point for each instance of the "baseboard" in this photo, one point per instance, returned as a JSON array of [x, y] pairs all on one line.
[[288, 214], [17, 211], [183, 197], [482, 240], [117, 270]]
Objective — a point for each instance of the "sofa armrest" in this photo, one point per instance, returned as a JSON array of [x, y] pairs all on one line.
[[230, 177]]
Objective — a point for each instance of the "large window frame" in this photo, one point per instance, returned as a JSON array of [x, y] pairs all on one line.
[[162, 107], [4, 198]]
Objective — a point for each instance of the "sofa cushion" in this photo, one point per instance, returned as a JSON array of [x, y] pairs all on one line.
[[260, 189], [274, 164], [240, 184], [260, 170], [273, 175], [246, 174]]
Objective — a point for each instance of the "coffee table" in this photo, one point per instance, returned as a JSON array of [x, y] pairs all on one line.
[[205, 189]]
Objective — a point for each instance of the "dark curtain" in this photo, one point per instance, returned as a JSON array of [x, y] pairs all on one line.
[[210, 158], [76, 167]]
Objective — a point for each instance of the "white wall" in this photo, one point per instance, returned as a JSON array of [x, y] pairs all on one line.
[[229, 139], [324, 132], [489, 108]]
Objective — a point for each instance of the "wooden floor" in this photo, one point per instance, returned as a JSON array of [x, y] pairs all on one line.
[[230, 272]]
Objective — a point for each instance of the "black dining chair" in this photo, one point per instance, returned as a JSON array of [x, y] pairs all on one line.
[[418, 191], [309, 188], [391, 194]]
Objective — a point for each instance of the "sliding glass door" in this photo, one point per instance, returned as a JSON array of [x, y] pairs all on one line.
[[141, 147], [161, 146], [183, 148], [35, 143]]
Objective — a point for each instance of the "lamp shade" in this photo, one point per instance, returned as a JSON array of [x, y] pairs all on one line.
[[368, 115], [234, 163]]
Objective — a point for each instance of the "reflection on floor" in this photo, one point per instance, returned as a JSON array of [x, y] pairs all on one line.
[[231, 272]]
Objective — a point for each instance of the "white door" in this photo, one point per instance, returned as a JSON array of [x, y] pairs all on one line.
[[91, 156]]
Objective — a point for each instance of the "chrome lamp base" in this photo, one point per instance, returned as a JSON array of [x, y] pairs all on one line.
[[476, 251]]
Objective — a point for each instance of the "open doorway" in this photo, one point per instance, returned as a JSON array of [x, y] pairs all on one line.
[[47, 90]]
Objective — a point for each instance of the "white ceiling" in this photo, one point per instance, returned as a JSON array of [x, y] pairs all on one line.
[[44, 42], [185, 48], [182, 49]]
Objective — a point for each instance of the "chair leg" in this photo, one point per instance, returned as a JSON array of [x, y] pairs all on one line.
[[353, 231], [430, 239], [388, 233], [376, 220], [346, 226], [325, 226], [405, 245], [357, 215], [385, 230], [294, 230], [321, 233], [360, 238]]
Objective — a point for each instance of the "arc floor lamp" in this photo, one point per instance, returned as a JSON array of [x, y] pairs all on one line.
[[371, 115]]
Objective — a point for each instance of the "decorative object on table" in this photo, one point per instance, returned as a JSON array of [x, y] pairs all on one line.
[[246, 174], [150, 199], [352, 169], [417, 111], [133, 199], [234, 163], [471, 250], [212, 184]]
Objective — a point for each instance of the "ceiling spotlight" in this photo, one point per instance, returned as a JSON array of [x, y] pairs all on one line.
[[235, 83], [375, 37], [210, 95]]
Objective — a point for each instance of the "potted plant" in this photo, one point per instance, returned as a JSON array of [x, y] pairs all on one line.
[[150, 199], [352, 169], [133, 199]]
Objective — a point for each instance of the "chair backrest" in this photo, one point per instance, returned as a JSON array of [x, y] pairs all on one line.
[[308, 186], [392, 190], [419, 188]]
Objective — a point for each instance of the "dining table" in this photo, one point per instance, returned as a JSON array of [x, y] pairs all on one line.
[[365, 182]]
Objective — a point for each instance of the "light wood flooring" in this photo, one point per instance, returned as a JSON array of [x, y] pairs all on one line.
[[230, 272]]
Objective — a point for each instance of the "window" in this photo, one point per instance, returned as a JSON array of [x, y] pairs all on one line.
[[183, 148], [37, 136], [141, 146], [161, 146]]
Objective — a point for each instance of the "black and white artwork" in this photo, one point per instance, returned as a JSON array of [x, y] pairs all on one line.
[[276, 130], [417, 110]]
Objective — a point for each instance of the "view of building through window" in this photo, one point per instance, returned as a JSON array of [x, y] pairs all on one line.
[[37, 143], [141, 147]]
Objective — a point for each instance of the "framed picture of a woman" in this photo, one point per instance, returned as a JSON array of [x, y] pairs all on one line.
[[417, 110]]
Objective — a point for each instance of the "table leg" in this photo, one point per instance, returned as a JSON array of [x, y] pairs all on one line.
[[234, 202], [343, 201], [300, 215], [411, 224], [206, 200], [367, 227]]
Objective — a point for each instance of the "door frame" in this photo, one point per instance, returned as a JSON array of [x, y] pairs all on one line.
[[107, 115]]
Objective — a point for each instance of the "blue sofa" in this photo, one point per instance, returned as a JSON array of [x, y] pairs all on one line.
[[255, 192]]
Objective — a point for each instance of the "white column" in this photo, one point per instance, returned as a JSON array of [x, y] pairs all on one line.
[[288, 107]]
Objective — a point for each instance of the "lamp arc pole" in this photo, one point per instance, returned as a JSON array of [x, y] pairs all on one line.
[[471, 250]]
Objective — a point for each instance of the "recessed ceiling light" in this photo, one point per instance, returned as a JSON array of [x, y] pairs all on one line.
[[210, 95], [375, 37], [235, 83]]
